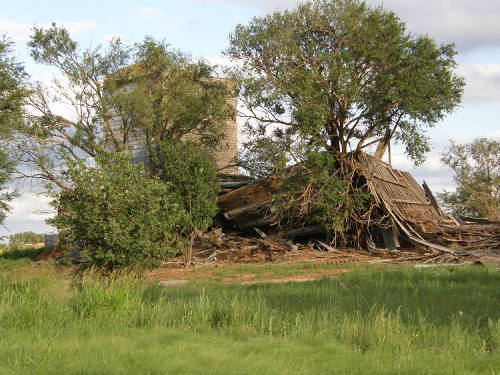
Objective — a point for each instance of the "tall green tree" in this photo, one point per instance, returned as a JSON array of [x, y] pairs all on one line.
[[477, 178], [121, 98], [112, 97], [325, 81], [12, 98], [340, 76]]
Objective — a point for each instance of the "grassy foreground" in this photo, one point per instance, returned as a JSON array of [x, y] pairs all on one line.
[[369, 321]]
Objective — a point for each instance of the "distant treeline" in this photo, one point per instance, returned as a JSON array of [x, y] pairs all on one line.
[[26, 238]]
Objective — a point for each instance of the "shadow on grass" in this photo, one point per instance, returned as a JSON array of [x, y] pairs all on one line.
[[26, 253], [438, 295]]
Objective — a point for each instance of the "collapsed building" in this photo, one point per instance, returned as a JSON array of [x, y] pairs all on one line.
[[412, 215]]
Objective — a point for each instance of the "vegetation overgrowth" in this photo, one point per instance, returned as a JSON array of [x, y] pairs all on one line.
[[191, 175], [13, 256], [116, 216], [370, 320]]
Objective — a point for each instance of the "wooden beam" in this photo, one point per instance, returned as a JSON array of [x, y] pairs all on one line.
[[376, 176], [406, 201], [255, 223], [234, 184], [231, 214], [313, 229]]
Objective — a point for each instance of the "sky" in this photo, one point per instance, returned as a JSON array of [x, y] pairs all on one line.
[[201, 27]]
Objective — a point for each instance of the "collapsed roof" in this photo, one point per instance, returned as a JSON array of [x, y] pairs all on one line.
[[412, 211]]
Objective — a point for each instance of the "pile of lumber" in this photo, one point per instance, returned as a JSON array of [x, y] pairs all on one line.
[[249, 204], [230, 182], [246, 204], [475, 237], [215, 247]]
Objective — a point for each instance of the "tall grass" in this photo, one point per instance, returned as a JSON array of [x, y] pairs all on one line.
[[396, 313], [12, 256]]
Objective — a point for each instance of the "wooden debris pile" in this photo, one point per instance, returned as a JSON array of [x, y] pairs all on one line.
[[230, 182], [247, 206], [250, 206], [480, 239], [418, 217], [216, 247], [413, 215]]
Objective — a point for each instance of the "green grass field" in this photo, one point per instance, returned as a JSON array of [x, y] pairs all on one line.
[[372, 320]]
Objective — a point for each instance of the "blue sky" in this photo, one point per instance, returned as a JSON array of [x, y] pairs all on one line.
[[201, 27]]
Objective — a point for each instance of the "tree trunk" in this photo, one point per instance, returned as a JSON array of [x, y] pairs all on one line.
[[382, 147], [187, 252]]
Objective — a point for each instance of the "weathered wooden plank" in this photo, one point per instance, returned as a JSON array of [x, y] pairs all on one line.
[[313, 229], [378, 177], [255, 223], [407, 201], [231, 214], [252, 193], [234, 184]]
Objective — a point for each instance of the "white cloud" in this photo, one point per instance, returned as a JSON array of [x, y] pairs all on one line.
[[77, 29], [16, 31], [20, 32], [468, 24], [222, 62], [29, 212], [432, 171], [150, 12], [483, 82], [30, 206]]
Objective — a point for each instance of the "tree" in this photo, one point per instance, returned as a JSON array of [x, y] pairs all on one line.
[[190, 173], [121, 97], [340, 76], [477, 178], [117, 216], [336, 77], [117, 95], [12, 95], [5, 196], [28, 237]]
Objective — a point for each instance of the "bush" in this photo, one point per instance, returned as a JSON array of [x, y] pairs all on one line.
[[116, 216], [191, 175], [3, 248]]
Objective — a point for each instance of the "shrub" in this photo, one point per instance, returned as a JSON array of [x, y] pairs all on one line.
[[116, 216], [191, 176]]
